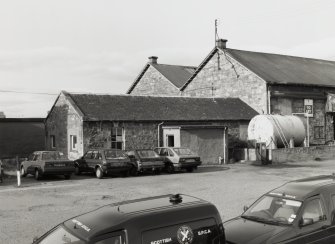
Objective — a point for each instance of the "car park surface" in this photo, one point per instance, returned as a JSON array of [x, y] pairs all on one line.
[[104, 162], [38, 206], [178, 158], [161, 219], [42, 163], [300, 211], [146, 160]]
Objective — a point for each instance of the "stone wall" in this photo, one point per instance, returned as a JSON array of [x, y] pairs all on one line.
[[136, 135], [283, 155], [154, 83], [227, 78], [62, 122]]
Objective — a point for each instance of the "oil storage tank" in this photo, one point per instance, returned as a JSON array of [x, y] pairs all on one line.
[[279, 130]]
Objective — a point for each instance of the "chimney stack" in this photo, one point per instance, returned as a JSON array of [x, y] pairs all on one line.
[[221, 43], [153, 60]]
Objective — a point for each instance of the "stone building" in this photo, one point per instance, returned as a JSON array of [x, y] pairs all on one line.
[[271, 84], [78, 122], [160, 79], [21, 136]]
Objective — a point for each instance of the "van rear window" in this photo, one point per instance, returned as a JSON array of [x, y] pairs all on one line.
[[197, 232]]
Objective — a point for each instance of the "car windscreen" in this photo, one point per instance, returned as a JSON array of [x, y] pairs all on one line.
[[273, 210], [112, 154], [183, 151], [147, 154], [53, 156], [61, 236]]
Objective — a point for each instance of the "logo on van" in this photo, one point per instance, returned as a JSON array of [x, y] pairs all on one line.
[[185, 235]]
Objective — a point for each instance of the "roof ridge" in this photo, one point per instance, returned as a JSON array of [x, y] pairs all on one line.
[[177, 65], [279, 54]]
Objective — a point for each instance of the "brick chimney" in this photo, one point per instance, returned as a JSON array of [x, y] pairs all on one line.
[[153, 60], [221, 43]]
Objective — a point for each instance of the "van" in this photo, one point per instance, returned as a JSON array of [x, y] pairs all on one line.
[[172, 219]]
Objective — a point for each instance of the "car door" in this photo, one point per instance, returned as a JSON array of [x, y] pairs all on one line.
[[92, 159], [172, 156], [314, 216], [28, 163]]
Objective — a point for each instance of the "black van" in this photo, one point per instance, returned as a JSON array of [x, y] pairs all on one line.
[[172, 219]]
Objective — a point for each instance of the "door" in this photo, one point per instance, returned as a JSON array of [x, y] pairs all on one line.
[[171, 137]]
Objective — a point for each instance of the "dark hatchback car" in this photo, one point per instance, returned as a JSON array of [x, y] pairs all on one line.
[[173, 219], [41, 163], [145, 160], [104, 162], [300, 211]]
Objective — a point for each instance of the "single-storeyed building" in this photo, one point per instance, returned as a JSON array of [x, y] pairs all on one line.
[[78, 122], [21, 136], [271, 84]]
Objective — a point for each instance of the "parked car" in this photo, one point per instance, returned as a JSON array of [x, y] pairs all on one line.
[[178, 158], [145, 160], [175, 219], [301, 211], [41, 163], [104, 162]]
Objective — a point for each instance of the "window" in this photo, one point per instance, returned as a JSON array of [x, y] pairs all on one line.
[[88, 155], [319, 132], [73, 142], [53, 141], [314, 210], [117, 138]]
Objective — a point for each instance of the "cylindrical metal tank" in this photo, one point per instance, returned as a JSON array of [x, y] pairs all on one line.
[[279, 129]]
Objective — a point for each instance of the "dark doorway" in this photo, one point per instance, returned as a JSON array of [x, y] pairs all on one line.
[[170, 140]]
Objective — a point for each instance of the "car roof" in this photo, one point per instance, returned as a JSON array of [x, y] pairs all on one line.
[[305, 188], [140, 214]]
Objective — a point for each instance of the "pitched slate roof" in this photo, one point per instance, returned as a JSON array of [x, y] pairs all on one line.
[[280, 69], [176, 74], [153, 108]]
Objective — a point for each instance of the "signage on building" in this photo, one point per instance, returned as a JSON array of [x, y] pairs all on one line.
[[330, 105], [308, 107]]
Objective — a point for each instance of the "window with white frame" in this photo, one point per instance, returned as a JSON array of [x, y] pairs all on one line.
[[52, 141], [73, 142], [117, 138]]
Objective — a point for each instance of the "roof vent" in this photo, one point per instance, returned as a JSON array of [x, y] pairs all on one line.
[[153, 60], [221, 43], [175, 199]]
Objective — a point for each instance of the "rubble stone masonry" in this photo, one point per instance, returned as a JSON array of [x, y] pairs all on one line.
[[222, 76], [154, 83]]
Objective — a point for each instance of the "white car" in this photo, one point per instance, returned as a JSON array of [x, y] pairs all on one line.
[[178, 158]]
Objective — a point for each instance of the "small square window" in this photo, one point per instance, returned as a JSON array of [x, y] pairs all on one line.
[[53, 141], [73, 142]]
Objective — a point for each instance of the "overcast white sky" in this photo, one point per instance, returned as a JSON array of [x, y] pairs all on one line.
[[100, 46]]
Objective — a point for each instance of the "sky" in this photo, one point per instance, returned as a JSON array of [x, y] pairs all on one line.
[[100, 46]]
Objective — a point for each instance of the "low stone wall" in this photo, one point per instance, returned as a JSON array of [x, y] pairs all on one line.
[[283, 155]]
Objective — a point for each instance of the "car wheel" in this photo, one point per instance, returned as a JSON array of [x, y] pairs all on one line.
[[23, 172], [67, 177], [37, 174], [133, 171], [77, 170], [190, 170], [170, 168], [98, 173], [126, 173]]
